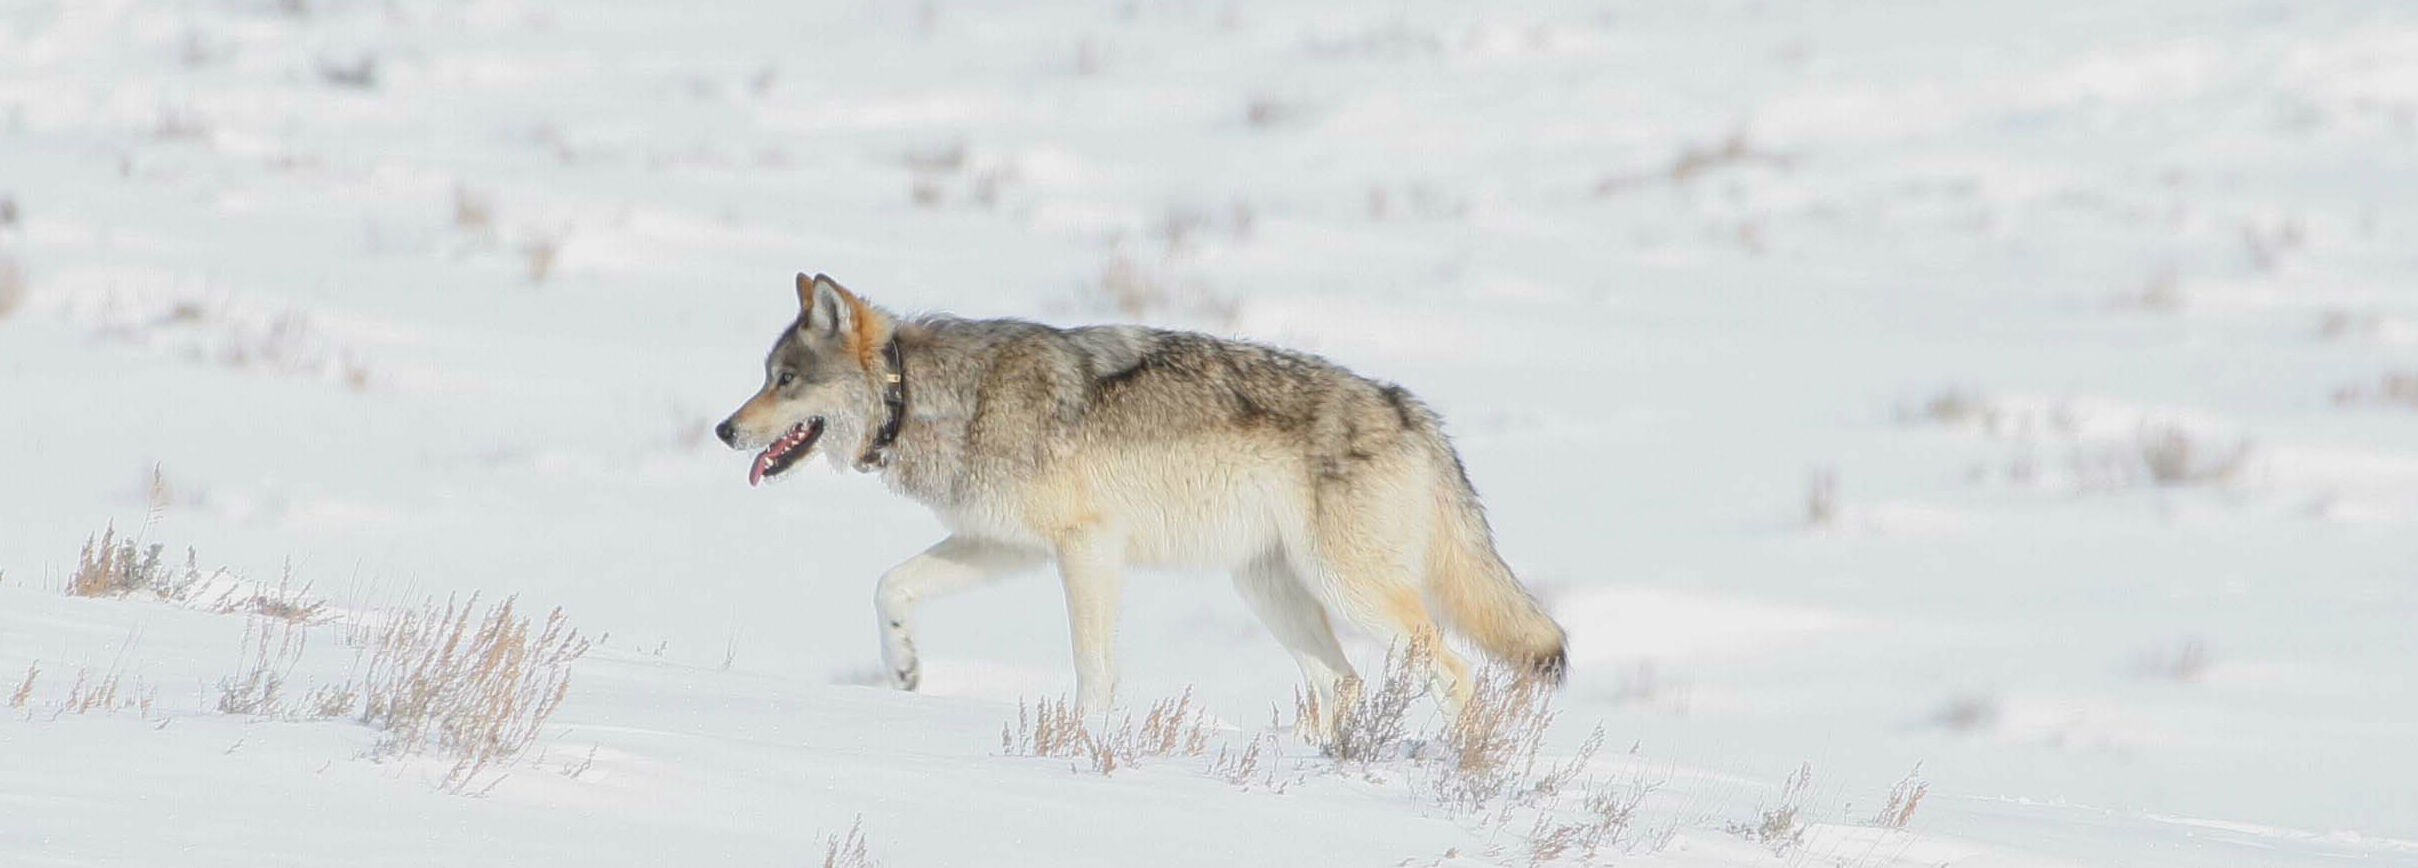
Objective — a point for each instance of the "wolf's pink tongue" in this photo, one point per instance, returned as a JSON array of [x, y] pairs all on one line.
[[755, 474]]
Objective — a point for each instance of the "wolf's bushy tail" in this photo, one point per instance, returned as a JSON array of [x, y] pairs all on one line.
[[1480, 597]]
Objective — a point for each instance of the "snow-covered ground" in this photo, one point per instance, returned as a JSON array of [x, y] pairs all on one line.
[[2024, 390]]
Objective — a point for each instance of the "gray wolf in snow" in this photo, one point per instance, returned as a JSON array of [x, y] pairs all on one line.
[[1328, 495]]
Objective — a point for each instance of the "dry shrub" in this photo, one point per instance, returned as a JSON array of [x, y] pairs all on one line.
[[1778, 826], [1265, 111], [1373, 725], [1607, 811], [286, 602], [2185, 662], [1695, 161], [473, 210], [1127, 289], [848, 851], [463, 684], [359, 74], [2162, 292], [1488, 760], [2393, 388], [1954, 405], [1053, 728], [207, 329], [1903, 798], [1967, 714], [538, 255], [25, 688], [180, 124], [12, 287], [2266, 245], [1822, 498], [2173, 457], [1493, 744]]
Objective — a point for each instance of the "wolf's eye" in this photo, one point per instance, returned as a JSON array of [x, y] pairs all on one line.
[[785, 379]]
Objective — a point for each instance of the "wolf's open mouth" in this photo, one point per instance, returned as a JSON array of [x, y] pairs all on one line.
[[785, 451]]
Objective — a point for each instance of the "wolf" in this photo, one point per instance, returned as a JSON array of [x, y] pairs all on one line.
[[1328, 496]]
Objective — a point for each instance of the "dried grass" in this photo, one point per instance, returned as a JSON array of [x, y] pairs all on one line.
[[2161, 292], [271, 647], [1778, 827], [1254, 765], [359, 74], [473, 210], [25, 688], [1493, 745], [1822, 498], [2172, 456], [1904, 797], [1127, 289], [105, 690], [849, 850], [538, 255], [1967, 714], [2392, 388], [2184, 662], [1372, 725], [114, 566], [206, 329], [1053, 728], [12, 286], [1606, 815], [1695, 161]]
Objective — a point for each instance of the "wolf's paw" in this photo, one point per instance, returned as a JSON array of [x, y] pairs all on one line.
[[906, 678]]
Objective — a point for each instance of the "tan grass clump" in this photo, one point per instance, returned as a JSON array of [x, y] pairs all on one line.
[[457, 682], [114, 566]]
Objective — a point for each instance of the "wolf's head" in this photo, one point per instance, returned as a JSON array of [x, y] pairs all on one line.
[[823, 379]]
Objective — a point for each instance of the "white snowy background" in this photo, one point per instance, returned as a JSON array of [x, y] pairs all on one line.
[[2027, 390]]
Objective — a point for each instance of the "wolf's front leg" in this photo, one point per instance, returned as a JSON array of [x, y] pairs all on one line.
[[1092, 565], [950, 565]]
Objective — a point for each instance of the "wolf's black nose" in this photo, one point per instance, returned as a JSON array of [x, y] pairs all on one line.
[[724, 431]]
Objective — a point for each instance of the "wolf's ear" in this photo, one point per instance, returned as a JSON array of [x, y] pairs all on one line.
[[826, 306]]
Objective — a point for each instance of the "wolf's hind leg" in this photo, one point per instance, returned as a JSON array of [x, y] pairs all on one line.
[[951, 565], [1372, 579], [1277, 595]]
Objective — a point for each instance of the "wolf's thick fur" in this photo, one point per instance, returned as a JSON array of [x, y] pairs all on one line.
[[1327, 494]]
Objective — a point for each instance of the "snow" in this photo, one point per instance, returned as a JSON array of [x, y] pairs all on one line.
[[456, 319]]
